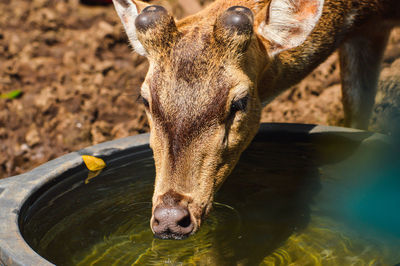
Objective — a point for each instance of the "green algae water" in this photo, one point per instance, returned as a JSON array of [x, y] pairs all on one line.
[[291, 200]]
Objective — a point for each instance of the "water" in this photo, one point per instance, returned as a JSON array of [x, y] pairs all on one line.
[[285, 203]]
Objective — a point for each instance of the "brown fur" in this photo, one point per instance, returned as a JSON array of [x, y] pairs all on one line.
[[171, 198], [199, 66]]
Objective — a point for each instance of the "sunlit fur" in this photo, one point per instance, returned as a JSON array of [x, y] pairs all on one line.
[[197, 71]]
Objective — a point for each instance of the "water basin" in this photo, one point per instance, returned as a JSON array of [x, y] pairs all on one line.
[[300, 194]]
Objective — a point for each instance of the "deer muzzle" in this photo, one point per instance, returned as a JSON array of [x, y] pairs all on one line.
[[172, 218]]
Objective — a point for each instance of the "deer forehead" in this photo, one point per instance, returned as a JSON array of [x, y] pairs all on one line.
[[193, 75], [179, 95], [187, 99], [184, 110]]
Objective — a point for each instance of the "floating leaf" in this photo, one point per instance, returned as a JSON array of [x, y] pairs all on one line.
[[11, 95], [93, 163]]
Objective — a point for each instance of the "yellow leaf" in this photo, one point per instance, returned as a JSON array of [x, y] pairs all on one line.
[[93, 163]]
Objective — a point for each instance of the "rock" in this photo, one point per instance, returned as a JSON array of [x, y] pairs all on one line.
[[101, 131], [32, 137]]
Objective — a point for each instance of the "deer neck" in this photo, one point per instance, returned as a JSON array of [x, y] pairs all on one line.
[[291, 66], [339, 20]]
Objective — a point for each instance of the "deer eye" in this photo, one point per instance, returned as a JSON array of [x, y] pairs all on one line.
[[144, 101], [238, 105]]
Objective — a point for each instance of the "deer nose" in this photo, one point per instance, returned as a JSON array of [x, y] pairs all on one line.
[[172, 222]]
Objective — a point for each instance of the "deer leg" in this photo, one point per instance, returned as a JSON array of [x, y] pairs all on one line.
[[360, 60]]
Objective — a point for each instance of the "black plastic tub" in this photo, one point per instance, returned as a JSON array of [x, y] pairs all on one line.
[[54, 214]]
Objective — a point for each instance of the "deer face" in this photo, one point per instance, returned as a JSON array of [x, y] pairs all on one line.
[[197, 133], [201, 101], [203, 111]]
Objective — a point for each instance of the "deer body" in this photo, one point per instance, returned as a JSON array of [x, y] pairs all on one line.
[[211, 72]]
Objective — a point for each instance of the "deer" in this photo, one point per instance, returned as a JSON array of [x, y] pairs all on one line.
[[211, 73]]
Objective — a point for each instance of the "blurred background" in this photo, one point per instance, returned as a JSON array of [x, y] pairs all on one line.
[[68, 79]]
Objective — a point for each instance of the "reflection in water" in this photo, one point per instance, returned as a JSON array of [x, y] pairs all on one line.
[[273, 187], [284, 203]]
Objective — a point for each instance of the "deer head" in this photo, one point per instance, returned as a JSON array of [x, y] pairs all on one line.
[[202, 94]]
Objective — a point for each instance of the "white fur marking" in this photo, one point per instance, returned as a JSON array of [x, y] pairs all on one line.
[[128, 16], [145, 91], [286, 28]]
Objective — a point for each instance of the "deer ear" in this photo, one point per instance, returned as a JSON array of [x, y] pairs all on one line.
[[127, 11], [288, 23]]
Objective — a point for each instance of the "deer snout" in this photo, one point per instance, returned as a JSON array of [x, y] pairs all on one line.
[[172, 222]]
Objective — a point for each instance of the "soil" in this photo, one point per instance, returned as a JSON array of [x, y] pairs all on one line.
[[79, 81]]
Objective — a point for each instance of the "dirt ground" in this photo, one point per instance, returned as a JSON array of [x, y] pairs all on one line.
[[80, 80]]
